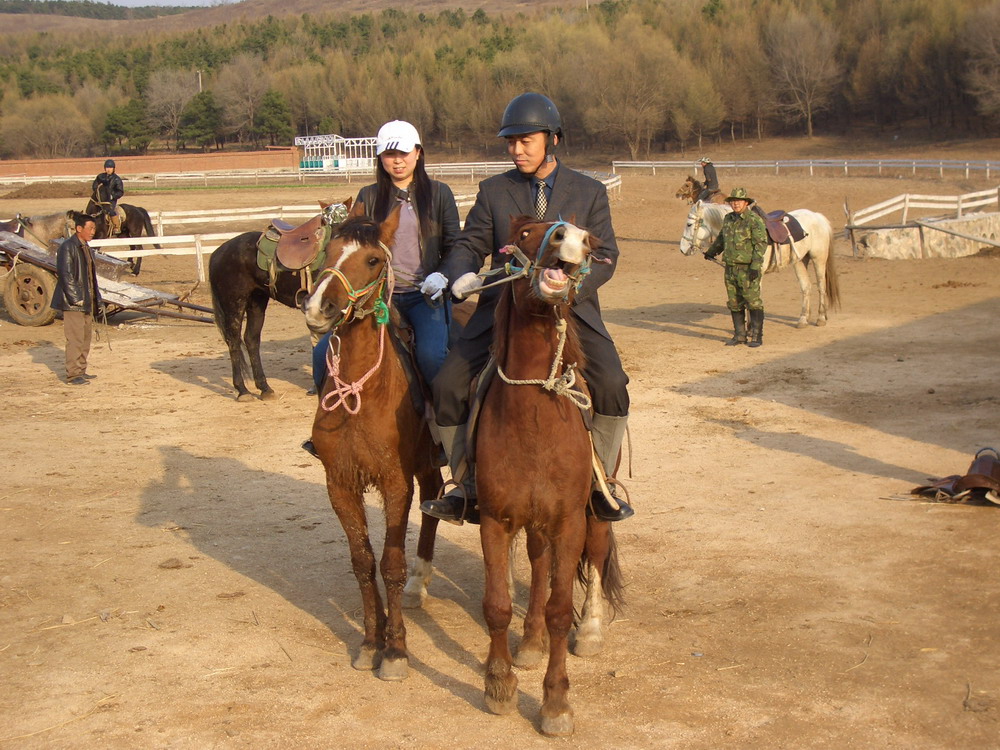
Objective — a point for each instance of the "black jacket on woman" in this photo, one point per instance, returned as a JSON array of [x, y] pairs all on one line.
[[444, 229]]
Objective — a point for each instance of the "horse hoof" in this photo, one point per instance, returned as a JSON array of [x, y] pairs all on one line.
[[393, 670], [587, 645], [499, 707], [558, 726], [268, 395], [821, 321], [527, 657], [802, 324], [365, 659], [245, 397]]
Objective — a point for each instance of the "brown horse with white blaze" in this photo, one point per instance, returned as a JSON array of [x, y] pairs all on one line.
[[534, 468], [368, 433]]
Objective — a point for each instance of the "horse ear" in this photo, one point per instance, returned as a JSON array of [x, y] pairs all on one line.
[[387, 229], [357, 209]]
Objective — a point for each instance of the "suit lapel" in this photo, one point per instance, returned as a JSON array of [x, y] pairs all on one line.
[[519, 191], [561, 193]]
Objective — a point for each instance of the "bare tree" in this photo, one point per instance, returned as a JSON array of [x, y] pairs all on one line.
[[239, 90], [168, 93], [982, 40], [801, 50], [47, 127]]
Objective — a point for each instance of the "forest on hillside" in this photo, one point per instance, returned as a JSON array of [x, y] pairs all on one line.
[[88, 9], [643, 76]]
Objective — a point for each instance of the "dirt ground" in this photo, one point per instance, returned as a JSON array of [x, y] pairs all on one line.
[[172, 576]]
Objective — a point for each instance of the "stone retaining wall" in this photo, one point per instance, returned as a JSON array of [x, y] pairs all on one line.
[[923, 242]]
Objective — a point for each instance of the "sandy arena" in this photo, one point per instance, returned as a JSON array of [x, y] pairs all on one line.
[[172, 576]]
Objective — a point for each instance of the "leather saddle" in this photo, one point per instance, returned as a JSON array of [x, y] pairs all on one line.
[[980, 483], [782, 227], [299, 246]]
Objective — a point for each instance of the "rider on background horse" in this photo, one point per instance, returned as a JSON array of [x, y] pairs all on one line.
[[711, 180], [538, 186], [106, 189]]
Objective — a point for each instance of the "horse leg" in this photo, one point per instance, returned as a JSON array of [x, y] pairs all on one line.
[[535, 638], [821, 286], [588, 640], [415, 591], [256, 308], [350, 510], [557, 714], [229, 318], [395, 661], [501, 683], [802, 274]]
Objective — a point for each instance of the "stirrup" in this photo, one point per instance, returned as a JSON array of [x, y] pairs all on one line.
[[456, 506], [601, 508]]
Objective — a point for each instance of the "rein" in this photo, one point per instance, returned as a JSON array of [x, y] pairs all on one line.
[[381, 289], [696, 226], [562, 385]]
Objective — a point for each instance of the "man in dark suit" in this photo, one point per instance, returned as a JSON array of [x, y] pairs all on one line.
[[538, 186]]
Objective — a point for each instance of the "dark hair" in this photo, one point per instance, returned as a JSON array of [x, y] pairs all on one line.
[[81, 219], [420, 194]]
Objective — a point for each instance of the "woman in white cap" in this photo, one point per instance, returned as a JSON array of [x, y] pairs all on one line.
[[428, 227]]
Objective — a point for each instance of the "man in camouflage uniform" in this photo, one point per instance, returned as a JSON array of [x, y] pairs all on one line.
[[742, 242]]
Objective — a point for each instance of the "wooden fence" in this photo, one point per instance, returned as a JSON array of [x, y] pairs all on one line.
[[845, 166]]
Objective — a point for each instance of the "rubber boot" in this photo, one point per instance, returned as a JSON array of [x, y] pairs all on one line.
[[739, 328], [608, 434], [459, 503], [756, 328]]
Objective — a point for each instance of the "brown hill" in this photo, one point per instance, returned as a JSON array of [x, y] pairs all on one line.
[[250, 10]]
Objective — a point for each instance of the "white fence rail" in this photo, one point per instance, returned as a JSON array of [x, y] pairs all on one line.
[[846, 166], [945, 204]]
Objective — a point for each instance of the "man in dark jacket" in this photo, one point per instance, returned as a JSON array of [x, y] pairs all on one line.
[[78, 296], [538, 186], [106, 189], [711, 180]]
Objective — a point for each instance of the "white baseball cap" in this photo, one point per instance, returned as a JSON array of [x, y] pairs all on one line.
[[397, 136]]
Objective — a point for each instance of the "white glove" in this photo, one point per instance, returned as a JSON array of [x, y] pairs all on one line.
[[465, 285], [434, 285]]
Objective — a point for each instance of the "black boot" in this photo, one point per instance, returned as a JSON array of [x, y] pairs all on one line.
[[603, 510], [739, 327], [756, 328], [456, 506], [309, 448]]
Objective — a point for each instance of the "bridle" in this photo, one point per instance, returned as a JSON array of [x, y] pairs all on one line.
[[695, 227], [524, 266], [559, 384], [377, 292]]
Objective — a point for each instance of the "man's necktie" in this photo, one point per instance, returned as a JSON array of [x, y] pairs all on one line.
[[541, 202]]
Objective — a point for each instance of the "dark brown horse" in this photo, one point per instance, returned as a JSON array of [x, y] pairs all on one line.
[[368, 433], [135, 224], [534, 465], [692, 188], [240, 293]]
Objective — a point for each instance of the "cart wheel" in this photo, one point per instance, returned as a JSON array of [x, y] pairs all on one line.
[[28, 296]]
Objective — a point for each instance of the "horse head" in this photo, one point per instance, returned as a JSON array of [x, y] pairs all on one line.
[[357, 279], [556, 256], [704, 221]]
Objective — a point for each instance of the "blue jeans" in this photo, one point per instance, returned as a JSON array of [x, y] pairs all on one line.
[[430, 334]]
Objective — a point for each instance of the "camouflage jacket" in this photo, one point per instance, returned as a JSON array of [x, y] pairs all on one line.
[[742, 241]]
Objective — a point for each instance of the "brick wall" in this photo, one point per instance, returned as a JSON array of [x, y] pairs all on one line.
[[275, 158]]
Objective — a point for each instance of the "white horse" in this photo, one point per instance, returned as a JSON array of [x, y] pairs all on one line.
[[704, 222]]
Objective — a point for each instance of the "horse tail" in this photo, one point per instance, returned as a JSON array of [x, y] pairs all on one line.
[[147, 224], [832, 282]]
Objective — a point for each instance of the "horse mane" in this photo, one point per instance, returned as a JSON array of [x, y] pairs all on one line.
[[359, 229]]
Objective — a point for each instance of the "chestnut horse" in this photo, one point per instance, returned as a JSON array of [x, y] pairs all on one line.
[[692, 188], [534, 466], [368, 432]]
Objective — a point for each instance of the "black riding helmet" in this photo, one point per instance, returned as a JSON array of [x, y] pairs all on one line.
[[530, 113], [109, 163]]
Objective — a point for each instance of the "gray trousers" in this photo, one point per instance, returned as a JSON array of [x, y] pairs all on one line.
[[79, 328]]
